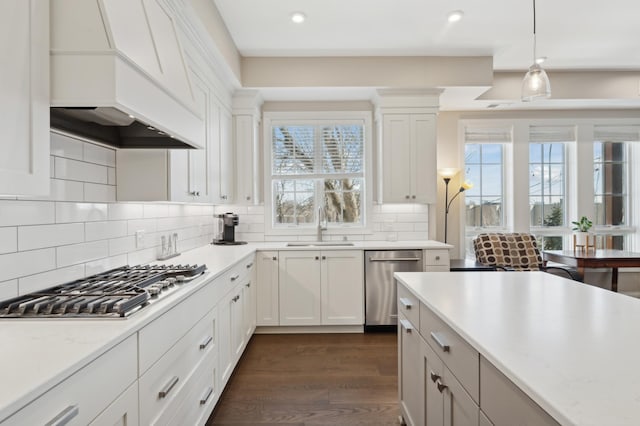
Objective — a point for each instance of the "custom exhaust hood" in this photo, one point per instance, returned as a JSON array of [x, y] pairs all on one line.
[[119, 76]]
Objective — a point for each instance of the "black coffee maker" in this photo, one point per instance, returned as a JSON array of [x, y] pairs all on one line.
[[227, 225]]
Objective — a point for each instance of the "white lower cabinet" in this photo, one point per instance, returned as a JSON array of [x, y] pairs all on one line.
[[236, 317], [80, 398], [321, 287], [299, 287], [122, 412], [164, 385], [443, 380], [267, 291], [410, 386]]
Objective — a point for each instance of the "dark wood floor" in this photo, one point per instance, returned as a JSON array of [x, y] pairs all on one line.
[[312, 380]]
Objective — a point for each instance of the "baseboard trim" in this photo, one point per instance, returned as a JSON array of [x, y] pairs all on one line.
[[309, 329]]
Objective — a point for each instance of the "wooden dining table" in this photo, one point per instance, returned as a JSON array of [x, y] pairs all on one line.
[[583, 259]]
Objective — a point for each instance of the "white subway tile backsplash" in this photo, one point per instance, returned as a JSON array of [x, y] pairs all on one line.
[[8, 240], [80, 171], [13, 212], [164, 224], [80, 253], [146, 225], [80, 212], [142, 256], [65, 146], [97, 193], [155, 210], [413, 217], [125, 211], [111, 176], [66, 190], [19, 264], [35, 237], [99, 155], [122, 245], [8, 289], [47, 279], [101, 265], [105, 230]]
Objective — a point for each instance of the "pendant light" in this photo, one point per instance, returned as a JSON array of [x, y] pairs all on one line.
[[536, 83]]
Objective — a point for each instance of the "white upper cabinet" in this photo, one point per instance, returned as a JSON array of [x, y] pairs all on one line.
[[169, 175], [246, 136], [407, 146], [24, 105], [221, 155]]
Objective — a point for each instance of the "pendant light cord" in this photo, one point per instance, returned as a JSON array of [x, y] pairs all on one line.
[[534, 32]]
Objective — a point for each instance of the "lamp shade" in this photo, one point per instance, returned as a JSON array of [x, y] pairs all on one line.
[[535, 84], [448, 172]]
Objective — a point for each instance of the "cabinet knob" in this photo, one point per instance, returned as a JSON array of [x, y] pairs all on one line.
[[437, 257], [413, 196], [248, 197], [194, 193], [224, 197], [407, 197], [441, 386], [434, 376], [274, 258], [317, 257], [324, 257]]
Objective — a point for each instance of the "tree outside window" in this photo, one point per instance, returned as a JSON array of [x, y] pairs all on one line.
[[318, 165]]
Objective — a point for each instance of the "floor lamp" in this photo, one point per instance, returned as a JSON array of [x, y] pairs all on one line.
[[447, 174]]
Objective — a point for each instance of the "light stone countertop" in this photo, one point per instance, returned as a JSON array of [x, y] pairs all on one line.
[[573, 348], [36, 354]]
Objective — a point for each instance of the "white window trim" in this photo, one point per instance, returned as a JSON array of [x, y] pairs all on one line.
[[580, 201], [311, 116]]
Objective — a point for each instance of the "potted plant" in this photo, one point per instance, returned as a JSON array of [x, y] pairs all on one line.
[[581, 231]]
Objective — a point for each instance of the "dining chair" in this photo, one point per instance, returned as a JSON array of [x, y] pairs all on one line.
[[515, 251]]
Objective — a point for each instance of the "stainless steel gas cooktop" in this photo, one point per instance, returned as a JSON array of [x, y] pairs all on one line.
[[113, 294]]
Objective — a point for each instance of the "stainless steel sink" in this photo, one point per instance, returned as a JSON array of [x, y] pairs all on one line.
[[320, 244]]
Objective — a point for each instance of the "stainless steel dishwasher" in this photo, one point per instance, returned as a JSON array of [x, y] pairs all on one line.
[[381, 311]]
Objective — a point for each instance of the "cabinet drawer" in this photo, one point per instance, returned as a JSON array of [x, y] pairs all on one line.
[[122, 412], [82, 396], [436, 258], [160, 386], [409, 306], [201, 397], [502, 401], [157, 337], [457, 354]]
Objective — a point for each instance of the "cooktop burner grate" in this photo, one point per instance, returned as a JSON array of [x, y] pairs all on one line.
[[112, 294]]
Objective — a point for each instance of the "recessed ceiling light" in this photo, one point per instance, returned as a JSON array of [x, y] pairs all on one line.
[[540, 59], [455, 16], [298, 17]]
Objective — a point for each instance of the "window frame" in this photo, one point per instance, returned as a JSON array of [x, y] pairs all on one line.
[[579, 169], [273, 118]]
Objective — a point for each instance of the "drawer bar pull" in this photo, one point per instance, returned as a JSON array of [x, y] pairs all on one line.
[[249, 265], [438, 339], [434, 376], [206, 396], [206, 343], [65, 416], [406, 303], [441, 387], [406, 325], [235, 277], [394, 259], [164, 392]]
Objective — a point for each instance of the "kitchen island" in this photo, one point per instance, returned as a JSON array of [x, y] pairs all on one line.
[[569, 350]]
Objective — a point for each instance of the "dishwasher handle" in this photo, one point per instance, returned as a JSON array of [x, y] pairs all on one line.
[[394, 259]]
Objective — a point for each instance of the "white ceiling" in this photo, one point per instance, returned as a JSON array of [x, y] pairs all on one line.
[[572, 34]]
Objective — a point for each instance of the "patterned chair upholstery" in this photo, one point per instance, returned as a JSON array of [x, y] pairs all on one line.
[[514, 252]]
